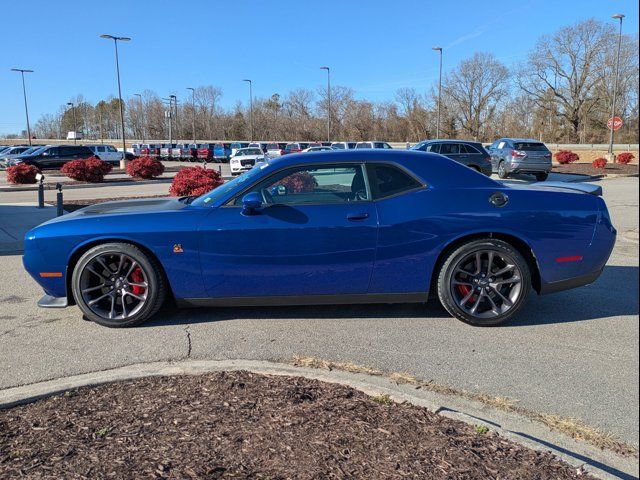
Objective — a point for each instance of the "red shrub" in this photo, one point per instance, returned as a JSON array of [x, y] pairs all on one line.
[[565, 157], [145, 167], [22, 173], [300, 182], [193, 181], [600, 163], [90, 170], [625, 158]]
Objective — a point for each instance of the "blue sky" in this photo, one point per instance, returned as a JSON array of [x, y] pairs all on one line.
[[374, 46]]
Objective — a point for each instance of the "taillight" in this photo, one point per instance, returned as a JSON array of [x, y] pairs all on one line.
[[518, 154], [281, 152], [487, 159]]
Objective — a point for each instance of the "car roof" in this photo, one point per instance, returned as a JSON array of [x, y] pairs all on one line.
[[521, 139]]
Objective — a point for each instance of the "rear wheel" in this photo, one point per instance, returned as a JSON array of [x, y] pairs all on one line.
[[484, 282], [502, 171], [541, 177], [118, 285]]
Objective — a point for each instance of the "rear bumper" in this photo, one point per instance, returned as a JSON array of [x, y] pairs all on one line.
[[570, 283], [526, 167]]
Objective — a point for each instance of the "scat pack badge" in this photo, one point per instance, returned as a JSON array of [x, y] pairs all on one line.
[[177, 248]]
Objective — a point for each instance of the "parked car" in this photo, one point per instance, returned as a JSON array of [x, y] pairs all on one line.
[[176, 151], [343, 145], [383, 145], [469, 153], [205, 152], [8, 159], [295, 147], [56, 155], [13, 151], [261, 145], [235, 146], [109, 153], [150, 149], [318, 148], [520, 155], [245, 159], [311, 229], [221, 152], [273, 150], [165, 149]]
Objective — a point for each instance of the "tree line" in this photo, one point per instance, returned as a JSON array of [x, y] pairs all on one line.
[[561, 93]]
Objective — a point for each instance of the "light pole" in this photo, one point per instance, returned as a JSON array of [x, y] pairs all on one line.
[[24, 92], [123, 160], [75, 125], [193, 105], [617, 16], [328, 102], [250, 108], [439, 49], [141, 113]]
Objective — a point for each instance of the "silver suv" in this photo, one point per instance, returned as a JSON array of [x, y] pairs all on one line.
[[520, 155]]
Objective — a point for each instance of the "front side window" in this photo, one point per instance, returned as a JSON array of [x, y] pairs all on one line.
[[326, 184], [388, 180], [433, 148]]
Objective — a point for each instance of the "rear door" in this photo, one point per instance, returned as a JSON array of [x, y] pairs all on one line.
[[314, 235], [537, 152], [451, 150]]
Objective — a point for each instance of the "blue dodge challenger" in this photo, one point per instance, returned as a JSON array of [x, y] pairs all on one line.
[[360, 226]]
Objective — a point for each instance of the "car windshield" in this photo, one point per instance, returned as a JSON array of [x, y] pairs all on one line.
[[216, 194], [249, 151], [273, 146]]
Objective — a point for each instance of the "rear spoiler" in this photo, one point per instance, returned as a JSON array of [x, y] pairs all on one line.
[[578, 187]]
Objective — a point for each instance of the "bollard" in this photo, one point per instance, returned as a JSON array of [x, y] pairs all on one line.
[[220, 169], [40, 179], [60, 211]]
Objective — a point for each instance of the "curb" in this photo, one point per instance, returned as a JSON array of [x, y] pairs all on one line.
[[603, 464]]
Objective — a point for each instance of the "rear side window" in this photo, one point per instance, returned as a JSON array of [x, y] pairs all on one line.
[[387, 180], [466, 148], [531, 146], [449, 148]]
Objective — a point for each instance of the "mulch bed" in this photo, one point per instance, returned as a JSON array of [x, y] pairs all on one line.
[[588, 169], [244, 425]]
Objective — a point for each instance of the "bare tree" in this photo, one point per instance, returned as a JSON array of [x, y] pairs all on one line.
[[474, 89]]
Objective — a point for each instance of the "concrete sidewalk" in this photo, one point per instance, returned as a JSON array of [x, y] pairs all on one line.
[[16, 219]]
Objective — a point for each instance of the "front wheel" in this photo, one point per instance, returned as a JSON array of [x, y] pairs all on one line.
[[484, 282], [118, 285]]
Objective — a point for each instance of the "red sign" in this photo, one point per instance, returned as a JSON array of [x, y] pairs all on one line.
[[614, 123]]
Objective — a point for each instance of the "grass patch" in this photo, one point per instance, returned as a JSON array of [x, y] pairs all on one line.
[[573, 428], [481, 430], [382, 399]]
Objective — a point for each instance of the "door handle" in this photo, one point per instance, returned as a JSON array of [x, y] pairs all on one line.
[[357, 216]]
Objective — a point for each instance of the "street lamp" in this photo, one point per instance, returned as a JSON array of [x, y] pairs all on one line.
[[141, 113], [250, 108], [24, 92], [439, 49], [193, 105], [75, 125], [617, 16], [328, 102], [123, 161]]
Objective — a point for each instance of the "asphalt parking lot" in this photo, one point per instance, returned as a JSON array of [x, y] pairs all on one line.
[[574, 353]]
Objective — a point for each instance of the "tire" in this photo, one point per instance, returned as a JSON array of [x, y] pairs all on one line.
[[91, 268], [502, 171], [541, 177], [515, 293]]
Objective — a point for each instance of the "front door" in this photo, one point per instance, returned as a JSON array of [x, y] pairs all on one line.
[[315, 234]]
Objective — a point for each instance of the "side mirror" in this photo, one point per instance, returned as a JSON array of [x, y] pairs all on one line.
[[251, 202]]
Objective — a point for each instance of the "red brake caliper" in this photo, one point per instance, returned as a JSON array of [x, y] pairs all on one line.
[[464, 290], [137, 277]]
